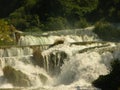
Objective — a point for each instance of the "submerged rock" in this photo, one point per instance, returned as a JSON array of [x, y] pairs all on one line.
[[43, 78], [57, 42], [50, 62], [38, 58], [16, 77], [56, 60]]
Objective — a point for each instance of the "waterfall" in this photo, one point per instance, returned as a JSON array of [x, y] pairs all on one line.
[[67, 35], [15, 51], [64, 66]]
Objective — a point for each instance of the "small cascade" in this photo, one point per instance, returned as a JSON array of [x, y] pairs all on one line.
[[48, 38], [15, 51], [22, 68], [54, 61]]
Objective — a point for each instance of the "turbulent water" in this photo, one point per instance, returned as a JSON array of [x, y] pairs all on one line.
[[64, 67]]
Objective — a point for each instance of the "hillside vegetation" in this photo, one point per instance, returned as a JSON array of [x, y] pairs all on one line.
[[46, 15]]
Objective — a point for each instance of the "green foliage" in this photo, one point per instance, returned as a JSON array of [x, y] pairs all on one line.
[[33, 30], [20, 23], [109, 10], [45, 10], [18, 18], [82, 23], [18, 13], [24, 14], [23, 21], [74, 10], [79, 7], [5, 32], [30, 3], [16, 77], [110, 81], [56, 23], [107, 31]]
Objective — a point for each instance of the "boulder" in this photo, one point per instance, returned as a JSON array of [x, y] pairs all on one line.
[[110, 81], [57, 42], [38, 58], [16, 77], [43, 78]]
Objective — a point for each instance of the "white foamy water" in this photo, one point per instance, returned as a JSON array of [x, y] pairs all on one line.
[[82, 68], [83, 64], [75, 36]]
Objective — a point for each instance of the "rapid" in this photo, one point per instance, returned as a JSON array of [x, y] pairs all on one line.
[[71, 65]]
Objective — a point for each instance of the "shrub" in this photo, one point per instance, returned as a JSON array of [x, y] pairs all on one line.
[[107, 31], [33, 31], [56, 23], [82, 23], [6, 32], [19, 23]]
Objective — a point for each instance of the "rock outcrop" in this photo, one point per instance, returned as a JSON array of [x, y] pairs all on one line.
[[16, 77]]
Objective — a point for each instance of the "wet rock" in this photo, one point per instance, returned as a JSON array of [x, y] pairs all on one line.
[[16, 77], [50, 62], [56, 60], [43, 78], [110, 81], [38, 58], [57, 42]]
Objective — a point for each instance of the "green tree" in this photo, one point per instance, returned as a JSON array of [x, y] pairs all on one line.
[[73, 10], [107, 9], [5, 32], [57, 23]]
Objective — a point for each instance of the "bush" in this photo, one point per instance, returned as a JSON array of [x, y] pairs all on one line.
[[82, 23], [33, 30], [23, 21], [57, 23], [6, 32], [19, 23], [107, 31]]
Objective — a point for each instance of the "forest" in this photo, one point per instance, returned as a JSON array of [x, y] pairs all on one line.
[[45, 15]]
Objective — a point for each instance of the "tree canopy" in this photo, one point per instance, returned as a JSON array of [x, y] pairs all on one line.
[[37, 13], [5, 32]]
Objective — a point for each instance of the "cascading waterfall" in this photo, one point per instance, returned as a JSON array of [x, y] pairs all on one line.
[[61, 67], [15, 51], [50, 37]]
